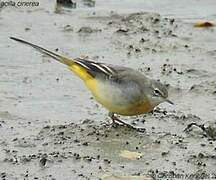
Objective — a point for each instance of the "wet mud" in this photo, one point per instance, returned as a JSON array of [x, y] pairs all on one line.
[[51, 127]]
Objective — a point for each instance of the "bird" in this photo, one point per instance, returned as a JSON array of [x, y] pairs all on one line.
[[121, 90]]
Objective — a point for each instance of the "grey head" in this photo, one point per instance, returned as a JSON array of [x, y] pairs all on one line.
[[158, 93]]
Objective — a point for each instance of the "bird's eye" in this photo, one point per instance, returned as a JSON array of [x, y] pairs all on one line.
[[157, 92]]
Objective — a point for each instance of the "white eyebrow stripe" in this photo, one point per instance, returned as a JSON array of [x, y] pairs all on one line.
[[82, 64], [107, 68], [100, 67]]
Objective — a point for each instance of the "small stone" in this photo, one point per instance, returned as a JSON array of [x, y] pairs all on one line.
[[85, 144], [43, 161]]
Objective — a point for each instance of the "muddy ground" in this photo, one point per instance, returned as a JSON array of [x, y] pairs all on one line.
[[50, 126]]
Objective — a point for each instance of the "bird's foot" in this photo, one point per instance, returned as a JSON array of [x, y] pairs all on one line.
[[110, 124], [130, 126], [117, 122]]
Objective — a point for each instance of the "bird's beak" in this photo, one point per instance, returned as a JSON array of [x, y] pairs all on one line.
[[170, 102]]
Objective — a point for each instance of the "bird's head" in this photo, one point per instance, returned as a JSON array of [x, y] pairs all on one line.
[[158, 93]]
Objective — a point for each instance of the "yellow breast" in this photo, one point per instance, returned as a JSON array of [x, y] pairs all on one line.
[[136, 109]]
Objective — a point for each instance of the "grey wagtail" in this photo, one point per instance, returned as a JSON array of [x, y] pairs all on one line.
[[120, 90]]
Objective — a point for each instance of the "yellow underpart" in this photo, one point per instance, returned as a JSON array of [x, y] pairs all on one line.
[[80, 72], [92, 85], [88, 79], [139, 108], [131, 109]]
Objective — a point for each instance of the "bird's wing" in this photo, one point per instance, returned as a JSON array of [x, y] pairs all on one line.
[[115, 74], [103, 69]]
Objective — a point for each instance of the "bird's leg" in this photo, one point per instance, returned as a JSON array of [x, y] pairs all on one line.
[[115, 120]]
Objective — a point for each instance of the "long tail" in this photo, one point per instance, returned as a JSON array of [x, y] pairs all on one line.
[[59, 58], [78, 67]]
